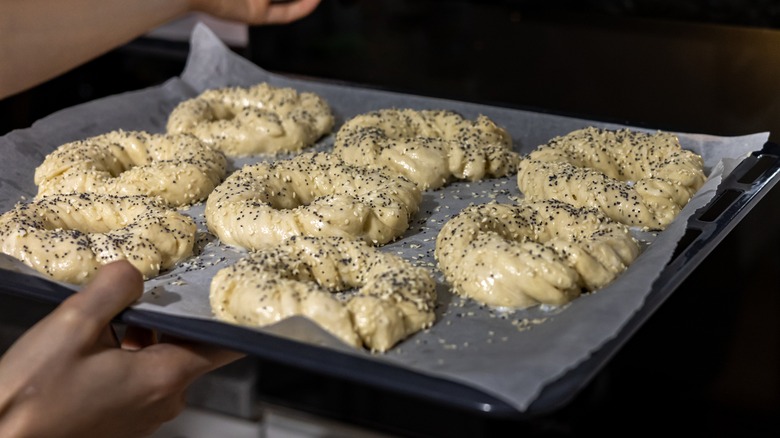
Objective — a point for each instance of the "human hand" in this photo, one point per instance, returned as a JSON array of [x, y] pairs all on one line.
[[67, 377], [256, 11]]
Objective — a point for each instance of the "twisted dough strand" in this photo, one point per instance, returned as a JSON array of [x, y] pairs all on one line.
[[430, 147], [177, 168], [68, 236], [633, 177], [313, 194], [394, 299], [261, 119], [534, 252]]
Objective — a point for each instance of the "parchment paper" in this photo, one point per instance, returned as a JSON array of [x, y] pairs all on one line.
[[509, 355]]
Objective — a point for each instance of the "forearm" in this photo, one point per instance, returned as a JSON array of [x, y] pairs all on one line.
[[40, 39]]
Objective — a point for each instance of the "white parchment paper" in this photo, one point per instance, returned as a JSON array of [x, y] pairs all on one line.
[[509, 355]]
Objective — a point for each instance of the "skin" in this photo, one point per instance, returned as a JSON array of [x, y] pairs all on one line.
[[41, 39], [67, 377]]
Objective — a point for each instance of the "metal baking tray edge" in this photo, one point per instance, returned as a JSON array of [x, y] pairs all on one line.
[[739, 192]]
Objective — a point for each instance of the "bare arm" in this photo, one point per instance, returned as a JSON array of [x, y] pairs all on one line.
[[40, 39]]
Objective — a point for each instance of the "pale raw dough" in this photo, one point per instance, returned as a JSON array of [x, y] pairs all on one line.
[[393, 300], [313, 194], [67, 237], [430, 147], [633, 177], [177, 168], [261, 119], [531, 253]]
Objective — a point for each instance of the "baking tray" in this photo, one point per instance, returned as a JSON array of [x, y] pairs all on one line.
[[422, 367], [735, 197]]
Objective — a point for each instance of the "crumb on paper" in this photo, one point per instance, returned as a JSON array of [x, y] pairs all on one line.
[[524, 324]]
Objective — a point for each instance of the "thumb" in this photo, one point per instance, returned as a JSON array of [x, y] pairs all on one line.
[[116, 286]]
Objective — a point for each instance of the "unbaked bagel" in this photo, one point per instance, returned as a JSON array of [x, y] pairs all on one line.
[[430, 147], [313, 194], [262, 119], [531, 253], [67, 237], [635, 178], [393, 300], [177, 168]]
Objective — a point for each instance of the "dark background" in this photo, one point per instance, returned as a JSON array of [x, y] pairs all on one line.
[[708, 362]]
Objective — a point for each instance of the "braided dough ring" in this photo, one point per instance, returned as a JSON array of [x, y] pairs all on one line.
[[313, 194], [69, 236], [429, 147], [633, 177], [394, 298], [177, 168], [255, 120], [535, 252]]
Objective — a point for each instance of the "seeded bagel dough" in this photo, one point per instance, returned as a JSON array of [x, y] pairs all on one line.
[[67, 237], [313, 194], [393, 300], [177, 168], [262, 119], [532, 253], [633, 177], [430, 147]]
